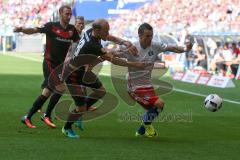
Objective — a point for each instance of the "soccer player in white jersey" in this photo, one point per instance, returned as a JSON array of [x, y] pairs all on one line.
[[139, 81]]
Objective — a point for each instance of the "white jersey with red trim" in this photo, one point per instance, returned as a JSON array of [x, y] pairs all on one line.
[[138, 78]]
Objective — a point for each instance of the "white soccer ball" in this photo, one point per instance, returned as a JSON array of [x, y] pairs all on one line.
[[213, 102]]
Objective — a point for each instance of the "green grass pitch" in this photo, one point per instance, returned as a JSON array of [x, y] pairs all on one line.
[[193, 134]]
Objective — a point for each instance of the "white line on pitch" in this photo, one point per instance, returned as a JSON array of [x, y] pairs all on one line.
[[25, 57], [203, 95]]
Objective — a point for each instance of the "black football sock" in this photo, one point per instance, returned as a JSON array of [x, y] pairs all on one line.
[[73, 117], [141, 130], [150, 115], [52, 102], [37, 105], [68, 125], [90, 101]]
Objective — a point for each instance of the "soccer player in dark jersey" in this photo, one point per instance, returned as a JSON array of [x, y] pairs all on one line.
[[79, 25], [59, 36], [76, 76]]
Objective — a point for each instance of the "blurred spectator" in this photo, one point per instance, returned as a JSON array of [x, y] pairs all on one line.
[[224, 59], [218, 57], [235, 50], [236, 62], [212, 46], [201, 59], [1, 43], [190, 57]]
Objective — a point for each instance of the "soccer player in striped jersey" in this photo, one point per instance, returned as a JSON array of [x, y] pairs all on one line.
[[139, 83]]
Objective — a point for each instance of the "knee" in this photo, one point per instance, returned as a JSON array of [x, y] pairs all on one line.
[[79, 101], [80, 109], [46, 92], [60, 88], [160, 104], [101, 92]]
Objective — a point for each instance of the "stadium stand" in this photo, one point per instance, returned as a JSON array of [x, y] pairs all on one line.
[[173, 15]]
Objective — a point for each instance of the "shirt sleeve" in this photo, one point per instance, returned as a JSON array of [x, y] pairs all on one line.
[[75, 37], [160, 46], [46, 28], [122, 52]]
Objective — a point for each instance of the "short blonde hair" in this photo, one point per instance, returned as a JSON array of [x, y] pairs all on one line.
[[64, 6]]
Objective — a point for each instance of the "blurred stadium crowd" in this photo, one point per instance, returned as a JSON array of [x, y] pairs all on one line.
[[165, 15], [170, 16], [27, 13], [214, 57]]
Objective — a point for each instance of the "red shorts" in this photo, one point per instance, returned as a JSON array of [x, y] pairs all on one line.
[[145, 96]]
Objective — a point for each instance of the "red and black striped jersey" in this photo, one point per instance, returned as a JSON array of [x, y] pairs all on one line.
[[58, 40]]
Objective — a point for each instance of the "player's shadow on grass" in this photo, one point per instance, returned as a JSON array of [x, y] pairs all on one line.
[[108, 104]]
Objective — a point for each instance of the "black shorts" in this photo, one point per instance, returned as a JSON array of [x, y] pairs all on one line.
[[52, 75], [77, 82], [234, 68], [221, 66]]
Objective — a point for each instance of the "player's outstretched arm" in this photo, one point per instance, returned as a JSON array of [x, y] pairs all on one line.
[[94, 63], [176, 49], [121, 62], [26, 30], [180, 49], [131, 48]]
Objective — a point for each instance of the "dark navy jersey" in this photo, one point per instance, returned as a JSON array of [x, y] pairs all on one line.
[[58, 41], [89, 46]]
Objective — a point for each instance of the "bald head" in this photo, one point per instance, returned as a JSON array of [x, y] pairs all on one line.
[[100, 23], [101, 28]]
